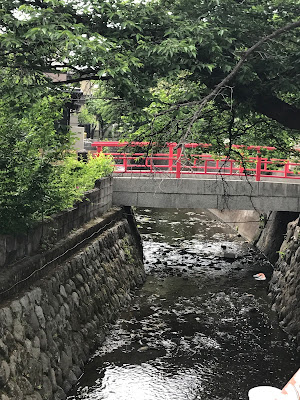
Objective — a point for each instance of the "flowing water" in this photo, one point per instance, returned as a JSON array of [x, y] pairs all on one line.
[[201, 328]]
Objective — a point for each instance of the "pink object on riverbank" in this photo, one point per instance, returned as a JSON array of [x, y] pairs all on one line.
[[260, 277]]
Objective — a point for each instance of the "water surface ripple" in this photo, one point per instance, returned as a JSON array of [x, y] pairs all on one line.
[[201, 328]]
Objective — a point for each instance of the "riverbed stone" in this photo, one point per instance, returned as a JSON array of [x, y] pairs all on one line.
[[43, 340], [72, 284], [62, 314], [36, 348], [72, 378], [34, 396], [59, 394], [79, 279], [46, 389], [45, 363], [75, 298], [16, 308], [15, 391], [18, 331], [58, 376], [77, 370], [60, 300], [62, 291], [67, 310], [35, 295], [3, 349], [285, 282], [52, 378], [68, 289], [87, 289], [33, 321], [24, 301], [10, 341], [65, 362], [6, 317], [4, 373], [40, 315], [25, 386], [66, 385], [28, 345]]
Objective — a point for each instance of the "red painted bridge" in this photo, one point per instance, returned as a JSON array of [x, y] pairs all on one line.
[[193, 159], [244, 183]]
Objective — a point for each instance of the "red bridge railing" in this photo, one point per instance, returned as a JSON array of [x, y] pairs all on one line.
[[177, 161]]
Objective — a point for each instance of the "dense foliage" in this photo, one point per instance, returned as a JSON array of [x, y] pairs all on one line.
[[154, 61], [38, 174], [74, 177], [132, 45], [219, 124]]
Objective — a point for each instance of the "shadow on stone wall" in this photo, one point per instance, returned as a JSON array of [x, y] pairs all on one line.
[[96, 202], [49, 330]]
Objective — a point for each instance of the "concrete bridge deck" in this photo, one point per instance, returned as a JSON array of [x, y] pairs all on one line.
[[210, 192]]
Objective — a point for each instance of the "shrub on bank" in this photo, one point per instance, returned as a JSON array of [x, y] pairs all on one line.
[[73, 178], [33, 195]]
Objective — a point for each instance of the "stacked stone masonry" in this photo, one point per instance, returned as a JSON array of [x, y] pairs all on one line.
[[97, 201], [285, 283], [48, 332], [279, 240]]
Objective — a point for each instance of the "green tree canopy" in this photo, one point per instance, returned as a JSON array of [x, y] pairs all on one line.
[[135, 46], [39, 176]]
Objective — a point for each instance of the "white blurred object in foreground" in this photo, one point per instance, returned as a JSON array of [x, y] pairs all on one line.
[[291, 391]]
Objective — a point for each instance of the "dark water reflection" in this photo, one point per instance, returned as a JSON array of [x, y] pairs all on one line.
[[200, 328]]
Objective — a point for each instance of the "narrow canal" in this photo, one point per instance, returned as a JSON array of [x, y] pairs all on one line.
[[201, 328]]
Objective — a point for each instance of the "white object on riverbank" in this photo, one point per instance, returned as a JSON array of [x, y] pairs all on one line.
[[291, 391], [264, 393], [260, 277]]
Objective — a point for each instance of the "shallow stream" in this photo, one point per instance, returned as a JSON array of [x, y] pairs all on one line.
[[201, 328]]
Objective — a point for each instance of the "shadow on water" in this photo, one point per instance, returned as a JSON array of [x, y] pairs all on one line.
[[200, 328]]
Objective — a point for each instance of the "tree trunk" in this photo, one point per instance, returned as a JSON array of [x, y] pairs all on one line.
[[276, 109]]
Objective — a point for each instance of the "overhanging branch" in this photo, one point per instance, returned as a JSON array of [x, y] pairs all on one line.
[[233, 73]]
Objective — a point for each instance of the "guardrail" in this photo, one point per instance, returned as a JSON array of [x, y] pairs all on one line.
[[177, 161]]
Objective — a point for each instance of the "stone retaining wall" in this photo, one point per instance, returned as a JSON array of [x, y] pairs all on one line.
[[265, 230], [48, 331], [97, 201], [285, 283], [273, 233], [279, 241]]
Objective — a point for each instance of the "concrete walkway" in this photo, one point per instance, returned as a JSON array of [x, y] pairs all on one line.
[[233, 193]]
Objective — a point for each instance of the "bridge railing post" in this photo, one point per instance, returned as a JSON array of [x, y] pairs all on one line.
[[178, 161], [231, 167], [286, 169], [242, 169], [171, 155], [125, 163], [205, 166], [258, 167]]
